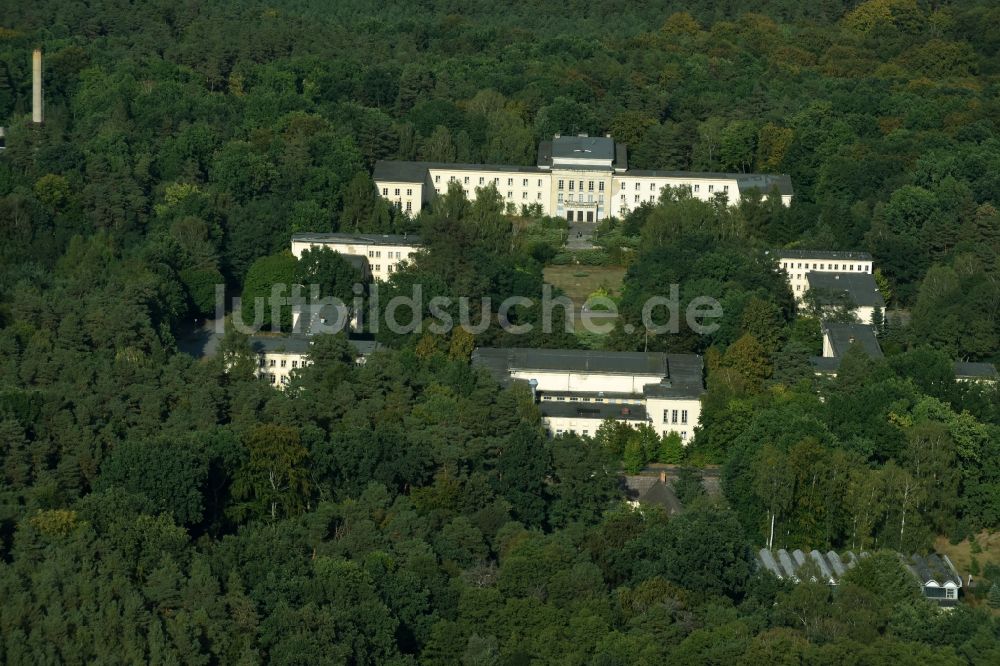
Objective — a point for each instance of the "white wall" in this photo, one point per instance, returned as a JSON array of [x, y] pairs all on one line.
[[796, 270], [383, 259], [279, 365], [655, 408], [519, 188], [557, 425], [407, 197], [649, 188]]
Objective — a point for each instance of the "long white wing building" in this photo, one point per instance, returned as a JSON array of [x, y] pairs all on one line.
[[581, 178], [576, 390]]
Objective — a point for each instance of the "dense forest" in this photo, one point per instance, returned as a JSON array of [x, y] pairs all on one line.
[[157, 508]]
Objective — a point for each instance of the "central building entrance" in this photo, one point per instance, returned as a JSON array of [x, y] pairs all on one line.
[[580, 216]]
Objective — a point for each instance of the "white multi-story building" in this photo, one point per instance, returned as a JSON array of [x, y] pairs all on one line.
[[385, 253], [797, 264], [280, 356], [576, 390], [581, 178]]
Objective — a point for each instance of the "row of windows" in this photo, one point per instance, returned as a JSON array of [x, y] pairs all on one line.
[[570, 198], [482, 180], [672, 414], [573, 185], [638, 197], [586, 433], [693, 187], [265, 362], [377, 254], [859, 268], [385, 192]]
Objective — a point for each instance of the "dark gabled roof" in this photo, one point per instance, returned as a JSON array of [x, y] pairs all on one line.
[[292, 344], [859, 288], [576, 360], [591, 410], [934, 568], [681, 373], [842, 336], [794, 565], [621, 157], [745, 181], [544, 154], [822, 254], [967, 370], [824, 365], [359, 239], [684, 378], [662, 494], [300, 344], [416, 172], [583, 147]]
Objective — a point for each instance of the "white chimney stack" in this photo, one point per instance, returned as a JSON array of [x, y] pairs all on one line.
[[36, 98]]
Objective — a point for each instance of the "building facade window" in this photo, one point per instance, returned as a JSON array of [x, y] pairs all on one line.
[[673, 416], [684, 416], [600, 186], [561, 183]]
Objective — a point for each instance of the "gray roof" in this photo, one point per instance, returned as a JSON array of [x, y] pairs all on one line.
[[621, 157], [842, 336], [576, 360], [793, 565], [583, 147], [684, 378], [859, 288], [933, 568], [966, 370], [745, 181], [370, 239], [824, 365], [681, 373], [416, 172], [590, 410], [586, 147], [662, 494], [822, 254], [300, 344]]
